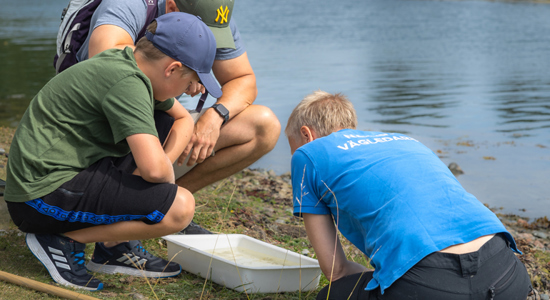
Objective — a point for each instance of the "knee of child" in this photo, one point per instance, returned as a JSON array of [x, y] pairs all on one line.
[[183, 208]]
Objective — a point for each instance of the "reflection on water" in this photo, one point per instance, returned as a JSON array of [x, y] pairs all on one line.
[[523, 106], [25, 69], [400, 97], [445, 72], [441, 71], [27, 45]]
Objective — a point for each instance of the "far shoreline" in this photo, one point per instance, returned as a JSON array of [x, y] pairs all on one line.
[[6, 135]]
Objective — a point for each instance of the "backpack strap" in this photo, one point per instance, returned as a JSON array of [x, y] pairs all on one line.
[[152, 12], [202, 99], [75, 26]]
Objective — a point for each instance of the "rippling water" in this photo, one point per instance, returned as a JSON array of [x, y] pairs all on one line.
[[470, 79]]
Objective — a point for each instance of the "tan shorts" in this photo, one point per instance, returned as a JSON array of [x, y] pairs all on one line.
[[183, 169]]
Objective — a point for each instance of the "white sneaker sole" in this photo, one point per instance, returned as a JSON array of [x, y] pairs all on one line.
[[43, 257], [109, 269]]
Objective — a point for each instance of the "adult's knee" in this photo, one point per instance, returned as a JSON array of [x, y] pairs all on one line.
[[182, 210], [268, 127]]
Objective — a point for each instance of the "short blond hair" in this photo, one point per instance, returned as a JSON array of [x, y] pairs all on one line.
[[323, 112], [152, 53]]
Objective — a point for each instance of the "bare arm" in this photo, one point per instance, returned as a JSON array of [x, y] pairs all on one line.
[[238, 83], [107, 37], [181, 131], [321, 232], [152, 163], [239, 91]]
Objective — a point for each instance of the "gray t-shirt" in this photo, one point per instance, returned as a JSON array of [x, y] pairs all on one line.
[[131, 15]]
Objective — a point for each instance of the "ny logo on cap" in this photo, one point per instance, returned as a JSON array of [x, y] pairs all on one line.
[[223, 14]]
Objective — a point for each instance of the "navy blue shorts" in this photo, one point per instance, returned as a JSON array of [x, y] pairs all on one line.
[[493, 272], [104, 193]]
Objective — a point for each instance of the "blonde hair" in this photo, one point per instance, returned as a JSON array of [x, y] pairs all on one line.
[[323, 112], [152, 53]]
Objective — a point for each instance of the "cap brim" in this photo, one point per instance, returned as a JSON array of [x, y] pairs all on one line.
[[210, 84], [224, 37]]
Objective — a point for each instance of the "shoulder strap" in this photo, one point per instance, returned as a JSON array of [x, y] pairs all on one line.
[[152, 12], [75, 24], [75, 27]]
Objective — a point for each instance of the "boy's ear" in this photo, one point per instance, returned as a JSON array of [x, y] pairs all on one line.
[[172, 68], [307, 134]]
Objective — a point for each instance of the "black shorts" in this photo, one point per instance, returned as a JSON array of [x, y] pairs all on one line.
[[494, 272], [104, 193]]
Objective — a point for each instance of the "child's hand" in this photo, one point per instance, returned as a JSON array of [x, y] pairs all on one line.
[[195, 88]]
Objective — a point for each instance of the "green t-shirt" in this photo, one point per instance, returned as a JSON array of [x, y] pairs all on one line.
[[80, 116]]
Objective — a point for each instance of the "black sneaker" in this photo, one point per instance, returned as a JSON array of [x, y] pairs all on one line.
[[64, 260], [194, 228], [130, 258]]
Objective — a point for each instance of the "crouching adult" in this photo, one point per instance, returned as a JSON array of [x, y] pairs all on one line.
[[392, 197]]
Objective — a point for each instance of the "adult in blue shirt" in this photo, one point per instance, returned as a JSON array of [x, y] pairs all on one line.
[[389, 195]]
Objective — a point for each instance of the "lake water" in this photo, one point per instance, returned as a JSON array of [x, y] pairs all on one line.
[[470, 79]]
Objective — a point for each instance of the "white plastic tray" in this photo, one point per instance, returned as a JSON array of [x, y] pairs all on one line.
[[240, 262]]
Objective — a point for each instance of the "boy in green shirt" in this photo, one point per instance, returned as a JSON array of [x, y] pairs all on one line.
[[91, 160]]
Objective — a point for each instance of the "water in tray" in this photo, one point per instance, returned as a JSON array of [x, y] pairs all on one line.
[[251, 258]]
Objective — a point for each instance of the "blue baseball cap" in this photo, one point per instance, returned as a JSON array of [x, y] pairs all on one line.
[[187, 39]]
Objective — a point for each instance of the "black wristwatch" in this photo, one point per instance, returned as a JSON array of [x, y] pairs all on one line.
[[220, 109]]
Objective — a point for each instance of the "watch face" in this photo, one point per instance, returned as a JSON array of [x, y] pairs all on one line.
[[222, 110]]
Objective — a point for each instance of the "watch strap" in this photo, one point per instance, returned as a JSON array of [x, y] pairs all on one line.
[[222, 111]]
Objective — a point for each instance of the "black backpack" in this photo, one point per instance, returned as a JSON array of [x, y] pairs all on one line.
[[75, 26]]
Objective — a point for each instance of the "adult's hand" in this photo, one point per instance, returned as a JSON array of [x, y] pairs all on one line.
[[204, 139], [239, 91]]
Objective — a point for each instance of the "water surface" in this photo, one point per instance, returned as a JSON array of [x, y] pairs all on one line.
[[470, 79]]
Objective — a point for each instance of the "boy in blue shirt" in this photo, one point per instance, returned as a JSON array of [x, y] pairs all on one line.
[[391, 196], [91, 160]]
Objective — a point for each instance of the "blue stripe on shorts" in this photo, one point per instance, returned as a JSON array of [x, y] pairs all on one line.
[[87, 217]]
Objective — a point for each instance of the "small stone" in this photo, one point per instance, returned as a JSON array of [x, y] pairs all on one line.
[[544, 297], [138, 296], [455, 169], [280, 221], [526, 236], [523, 223], [540, 234], [305, 252], [538, 245], [269, 212]]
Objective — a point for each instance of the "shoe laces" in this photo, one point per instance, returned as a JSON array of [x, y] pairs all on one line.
[[78, 260], [142, 250]]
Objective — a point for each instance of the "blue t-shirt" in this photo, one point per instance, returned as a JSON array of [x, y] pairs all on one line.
[[390, 196], [131, 15]]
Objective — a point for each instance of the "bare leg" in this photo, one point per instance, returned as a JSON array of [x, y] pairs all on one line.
[[178, 217], [243, 140]]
